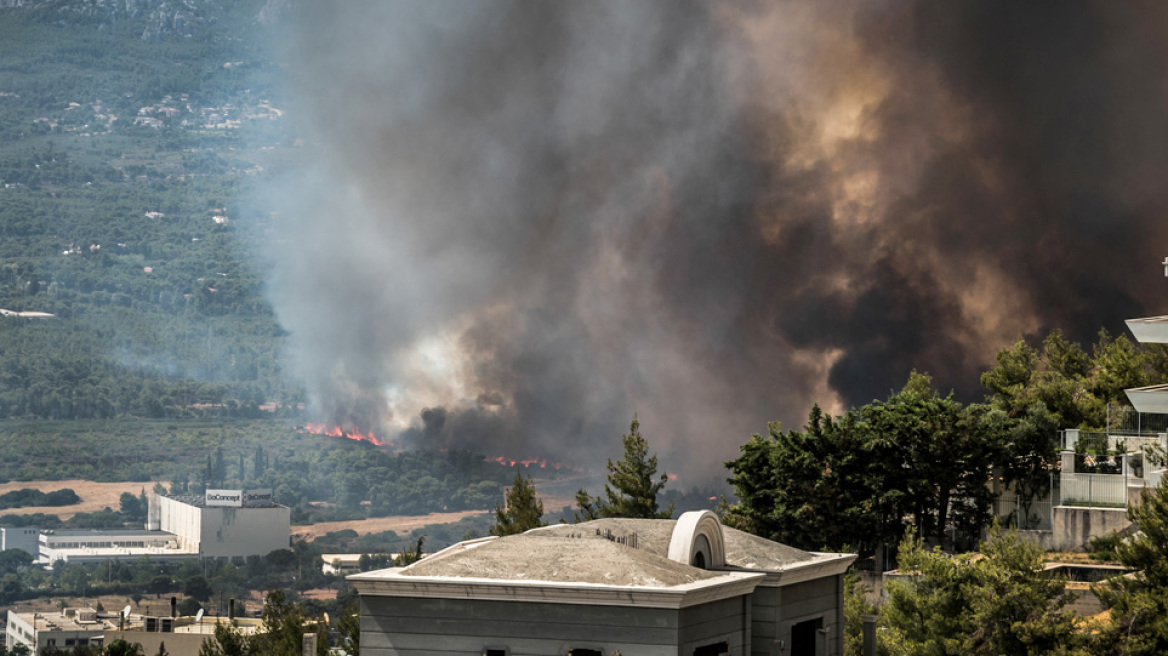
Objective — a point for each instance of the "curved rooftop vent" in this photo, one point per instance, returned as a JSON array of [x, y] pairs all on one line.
[[697, 540]]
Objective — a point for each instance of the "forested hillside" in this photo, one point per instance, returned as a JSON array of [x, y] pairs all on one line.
[[122, 164]]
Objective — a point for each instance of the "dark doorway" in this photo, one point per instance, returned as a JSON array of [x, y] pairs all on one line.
[[804, 637], [699, 560], [716, 649]]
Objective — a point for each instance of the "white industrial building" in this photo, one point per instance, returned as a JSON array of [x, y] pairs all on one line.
[[338, 564], [96, 545], [72, 627], [223, 523], [218, 524], [79, 627]]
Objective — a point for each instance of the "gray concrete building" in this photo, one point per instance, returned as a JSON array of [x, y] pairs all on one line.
[[23, 538], [630, 586]]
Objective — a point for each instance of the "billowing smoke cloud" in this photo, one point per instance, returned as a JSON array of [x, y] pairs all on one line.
[[524, 222]]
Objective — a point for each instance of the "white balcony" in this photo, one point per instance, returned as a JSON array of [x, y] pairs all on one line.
[[1149, 400], [1150, 330], [1094, 490]]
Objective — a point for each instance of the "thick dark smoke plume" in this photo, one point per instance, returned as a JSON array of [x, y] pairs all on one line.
[[525, 221]]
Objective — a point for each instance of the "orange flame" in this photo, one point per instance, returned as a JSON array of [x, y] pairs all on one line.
[[354, 434]]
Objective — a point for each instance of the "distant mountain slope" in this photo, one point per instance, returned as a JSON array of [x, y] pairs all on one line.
[[155, 18], [123, 167]]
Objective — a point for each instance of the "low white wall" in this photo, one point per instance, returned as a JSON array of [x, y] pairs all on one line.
[[1073, 527]]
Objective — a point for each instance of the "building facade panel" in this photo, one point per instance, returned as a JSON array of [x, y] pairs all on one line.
[[25, 539], [225, 532], [238, 532], [413, 607], [471, 626], [721, 624]]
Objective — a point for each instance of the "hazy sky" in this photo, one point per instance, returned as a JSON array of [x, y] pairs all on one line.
[[525, 221]]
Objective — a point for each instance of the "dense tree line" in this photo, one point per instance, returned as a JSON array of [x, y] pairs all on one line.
[[859, 480], [29, 497], [918, 459], [207, 584]]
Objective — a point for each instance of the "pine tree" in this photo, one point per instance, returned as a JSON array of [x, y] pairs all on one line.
[[1138, 604], [523, 511], [1002, 602], [120, 647], [228, 641], [587, 507], [220, 466], [630, 490], [411, 555], [349, 626]]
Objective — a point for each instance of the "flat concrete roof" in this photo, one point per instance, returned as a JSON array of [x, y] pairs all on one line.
[[59, 622], [103, 532], [204, 626]]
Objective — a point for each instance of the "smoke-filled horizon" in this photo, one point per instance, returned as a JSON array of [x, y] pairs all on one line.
[[525, 222]]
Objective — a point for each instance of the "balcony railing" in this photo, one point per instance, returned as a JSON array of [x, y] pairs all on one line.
[[1126, 420], [1035, 517], [1095, 490], [1099, 442]]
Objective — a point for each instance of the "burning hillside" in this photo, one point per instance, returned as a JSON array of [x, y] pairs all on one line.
[[544, 217], [351, 434]]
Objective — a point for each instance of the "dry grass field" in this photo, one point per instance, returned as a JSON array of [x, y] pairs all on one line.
[[94, 496]]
